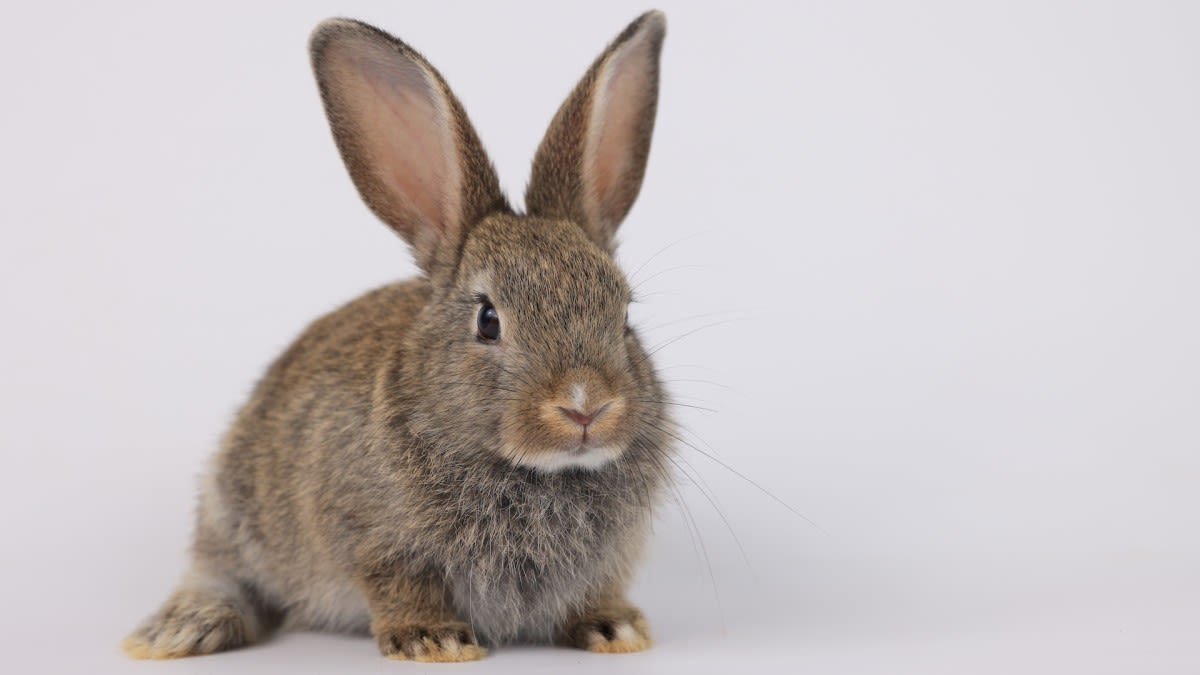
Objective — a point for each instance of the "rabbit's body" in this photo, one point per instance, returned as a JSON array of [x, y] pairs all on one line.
[[472, 455], [307, 475]]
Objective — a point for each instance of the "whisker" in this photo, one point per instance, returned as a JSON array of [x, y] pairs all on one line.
[[677, 338], [641, 297], [664, 250], [675, 403], [659, 273], [706, 492], [739, 474], [693, 366], [695, 381], [694, 534], [695, 317]]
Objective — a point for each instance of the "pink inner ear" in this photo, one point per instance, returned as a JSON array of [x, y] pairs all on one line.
[[409, 130], [404, 128], [622, 93]]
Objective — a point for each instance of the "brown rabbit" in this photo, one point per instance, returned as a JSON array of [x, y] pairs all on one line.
[[467, 458]]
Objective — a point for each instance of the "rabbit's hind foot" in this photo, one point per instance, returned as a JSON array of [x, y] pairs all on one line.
[[193, 622]]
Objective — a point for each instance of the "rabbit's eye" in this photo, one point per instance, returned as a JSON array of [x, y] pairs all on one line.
[[489, 323]]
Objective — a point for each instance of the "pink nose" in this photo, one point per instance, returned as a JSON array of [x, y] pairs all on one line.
[[577, 417]]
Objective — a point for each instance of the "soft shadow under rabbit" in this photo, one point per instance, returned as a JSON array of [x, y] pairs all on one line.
[[471, 457]]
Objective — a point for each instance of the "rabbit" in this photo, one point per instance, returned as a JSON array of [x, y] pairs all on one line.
[[472, 457]]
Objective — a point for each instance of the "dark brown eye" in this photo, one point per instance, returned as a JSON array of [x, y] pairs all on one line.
[[489, 323]]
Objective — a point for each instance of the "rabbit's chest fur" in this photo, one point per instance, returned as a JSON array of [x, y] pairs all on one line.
[[522, 550]]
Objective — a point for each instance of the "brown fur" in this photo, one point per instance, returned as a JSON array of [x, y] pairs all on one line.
[[396, 473]]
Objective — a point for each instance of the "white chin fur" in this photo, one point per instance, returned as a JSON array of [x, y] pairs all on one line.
[[589, 459]]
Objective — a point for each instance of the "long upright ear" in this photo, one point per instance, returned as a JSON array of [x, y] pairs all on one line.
[[405, 139], [589, 166]]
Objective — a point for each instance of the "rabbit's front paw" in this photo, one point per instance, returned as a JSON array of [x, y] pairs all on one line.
[[437, 643], [610, 632]]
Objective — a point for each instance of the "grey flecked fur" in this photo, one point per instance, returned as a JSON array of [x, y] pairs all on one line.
[[396, 473]]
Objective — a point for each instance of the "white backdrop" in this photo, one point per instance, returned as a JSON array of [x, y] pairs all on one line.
[[936, 265]]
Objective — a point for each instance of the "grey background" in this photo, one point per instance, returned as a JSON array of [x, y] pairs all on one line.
[[933, 266]]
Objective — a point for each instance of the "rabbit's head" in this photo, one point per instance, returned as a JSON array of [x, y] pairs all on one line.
[[522, 350]]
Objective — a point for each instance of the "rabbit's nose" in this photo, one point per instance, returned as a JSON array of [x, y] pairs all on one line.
[[581, 418]]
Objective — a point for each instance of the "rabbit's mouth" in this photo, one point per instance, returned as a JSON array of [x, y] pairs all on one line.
[[588, 446], [588, 456]]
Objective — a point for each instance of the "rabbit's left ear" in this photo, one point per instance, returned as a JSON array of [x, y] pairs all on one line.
[[589, 166]]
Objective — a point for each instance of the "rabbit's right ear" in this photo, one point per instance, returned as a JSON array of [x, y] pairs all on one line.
[[405, 139]]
